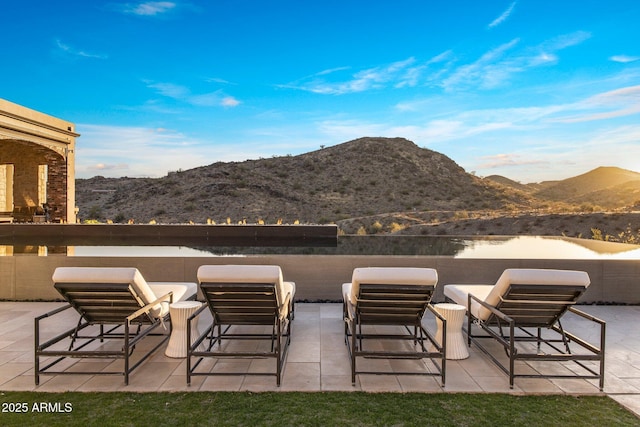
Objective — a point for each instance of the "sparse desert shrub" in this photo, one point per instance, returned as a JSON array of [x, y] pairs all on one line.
[[361, 231], [461, 215], [395, 227], [596, 234], [375, 228], [95, 212], [628, 236]]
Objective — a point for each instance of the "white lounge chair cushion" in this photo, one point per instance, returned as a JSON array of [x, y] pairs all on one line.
[[491, 294], [250, 274], [128, 275], [459, 294], [385, 276]]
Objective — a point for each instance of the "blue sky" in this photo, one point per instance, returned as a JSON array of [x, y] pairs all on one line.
[[530, 89]]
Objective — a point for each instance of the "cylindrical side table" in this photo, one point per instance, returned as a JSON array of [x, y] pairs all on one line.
[[456, 344], [180, 312]]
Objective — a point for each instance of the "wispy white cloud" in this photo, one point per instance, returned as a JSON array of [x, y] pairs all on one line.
[[229, 101], [135, 151], [102, 168], [442, 57], [218, 80], [607, 105], [184, 94], [493, 69], [150, 8], [486, 72], [564, 41], [372, 78], [171, 90], [506, 159], [503, 17], [497, 66], [624, 58], [331, 71], [69, 50]]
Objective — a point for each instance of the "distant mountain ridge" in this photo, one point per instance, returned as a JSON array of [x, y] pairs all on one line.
[[606, 186], [365, 177]]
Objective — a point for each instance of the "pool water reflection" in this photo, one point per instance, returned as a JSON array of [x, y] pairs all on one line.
[[480, 247]]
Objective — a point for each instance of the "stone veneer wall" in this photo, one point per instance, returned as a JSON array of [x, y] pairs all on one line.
[[26, 157]]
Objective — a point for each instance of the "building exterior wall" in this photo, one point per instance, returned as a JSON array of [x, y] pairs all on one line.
[[29, 140]]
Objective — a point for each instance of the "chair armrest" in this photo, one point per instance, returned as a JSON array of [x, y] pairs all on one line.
[[587, 316], [53, 312], [57, 338], [197, 312], [489, 307], [603, 327], [285, 303], [439, 316], [147, 308]]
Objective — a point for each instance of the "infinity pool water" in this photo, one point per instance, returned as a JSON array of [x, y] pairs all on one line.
[[497, 247]]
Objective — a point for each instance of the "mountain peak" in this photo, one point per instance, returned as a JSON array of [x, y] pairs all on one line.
[[362, 177]]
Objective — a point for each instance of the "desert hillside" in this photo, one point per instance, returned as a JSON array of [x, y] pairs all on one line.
[[603, 187], [370, 185], [366, 176]]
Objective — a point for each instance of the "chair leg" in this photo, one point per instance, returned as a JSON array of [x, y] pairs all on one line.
[[279, 360], [353, 358], [512, 350]]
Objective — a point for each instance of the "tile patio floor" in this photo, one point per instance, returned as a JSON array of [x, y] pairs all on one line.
[[318, 361]]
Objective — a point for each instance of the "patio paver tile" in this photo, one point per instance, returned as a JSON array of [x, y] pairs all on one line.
[[318, 360]]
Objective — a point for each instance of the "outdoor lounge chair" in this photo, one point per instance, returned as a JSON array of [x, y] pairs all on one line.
[[397, 297], [114, 304], [523, 312], [247, 302]]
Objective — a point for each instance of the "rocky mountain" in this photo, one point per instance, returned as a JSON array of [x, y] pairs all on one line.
[[604, 187], [608, 187], [364, 177], [502, 180]]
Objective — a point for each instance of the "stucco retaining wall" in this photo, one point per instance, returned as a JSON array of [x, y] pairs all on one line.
[[319, 277]]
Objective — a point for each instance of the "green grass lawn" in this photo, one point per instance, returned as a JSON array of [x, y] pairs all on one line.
[[307, 409]]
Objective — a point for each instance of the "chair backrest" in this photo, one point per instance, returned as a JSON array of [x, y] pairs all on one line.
[[392, 295], [243, 294], [536, 297], [105, 294]]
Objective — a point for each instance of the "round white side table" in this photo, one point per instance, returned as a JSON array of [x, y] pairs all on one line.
[[456, 344], [180, 312]]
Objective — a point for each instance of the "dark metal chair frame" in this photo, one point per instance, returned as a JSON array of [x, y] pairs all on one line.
[[240, 304], [394, 305], [521, 316], [111, 311]]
